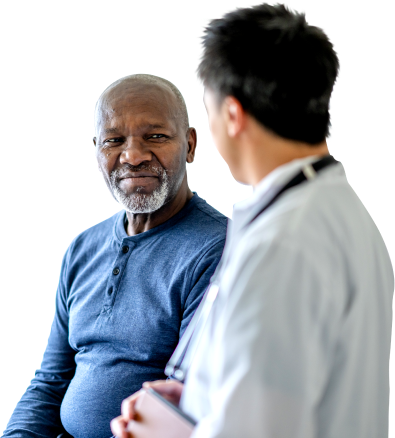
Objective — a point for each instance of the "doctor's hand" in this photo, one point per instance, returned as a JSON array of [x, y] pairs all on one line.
[[171, 390]]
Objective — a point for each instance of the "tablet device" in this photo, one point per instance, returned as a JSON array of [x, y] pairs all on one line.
[[159, 418]]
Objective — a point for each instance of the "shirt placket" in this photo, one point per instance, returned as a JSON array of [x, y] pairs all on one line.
[[116, 274]]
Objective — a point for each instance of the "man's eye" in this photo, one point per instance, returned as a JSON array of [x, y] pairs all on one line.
[[159, 134], [119, 140]]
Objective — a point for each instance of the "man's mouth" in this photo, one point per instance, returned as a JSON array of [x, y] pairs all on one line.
[[140, 180], [138, 175]]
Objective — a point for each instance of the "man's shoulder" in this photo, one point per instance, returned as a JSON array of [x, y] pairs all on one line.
[[99, 232], [201, 223], [206, 219]]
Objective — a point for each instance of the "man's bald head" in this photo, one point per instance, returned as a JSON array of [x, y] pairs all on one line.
[[141, 82]]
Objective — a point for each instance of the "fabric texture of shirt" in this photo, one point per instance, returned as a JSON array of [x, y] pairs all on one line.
[[121, 306], [297, 343]]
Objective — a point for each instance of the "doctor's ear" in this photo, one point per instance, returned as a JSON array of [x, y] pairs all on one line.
[[234, 115]]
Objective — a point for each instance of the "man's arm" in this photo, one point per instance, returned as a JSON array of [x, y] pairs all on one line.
[[202, 271], [200, 279], [37, 414], [273, 338]]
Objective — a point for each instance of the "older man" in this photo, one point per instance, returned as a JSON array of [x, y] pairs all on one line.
[[129, 285]]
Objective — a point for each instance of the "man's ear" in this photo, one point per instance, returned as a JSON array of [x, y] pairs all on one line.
[[192, 143], [235, 116], [93, 146]]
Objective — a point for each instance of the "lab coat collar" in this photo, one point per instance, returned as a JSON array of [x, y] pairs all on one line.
[[245, 210]]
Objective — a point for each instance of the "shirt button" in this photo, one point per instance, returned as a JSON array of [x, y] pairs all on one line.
[[115, 271], [125, 249]]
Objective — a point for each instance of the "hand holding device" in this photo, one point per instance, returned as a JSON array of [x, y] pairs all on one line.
[[170, 390]]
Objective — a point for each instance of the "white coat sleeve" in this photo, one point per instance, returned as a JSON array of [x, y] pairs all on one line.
[[273, 345]]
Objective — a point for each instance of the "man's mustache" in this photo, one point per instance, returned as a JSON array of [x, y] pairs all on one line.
[[118, 174]]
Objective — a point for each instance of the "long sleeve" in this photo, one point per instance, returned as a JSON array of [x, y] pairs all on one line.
[[200, 279], [271, 347], [297, 345], [38, 412]]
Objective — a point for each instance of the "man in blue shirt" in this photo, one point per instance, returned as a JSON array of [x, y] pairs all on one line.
[[128, 286]]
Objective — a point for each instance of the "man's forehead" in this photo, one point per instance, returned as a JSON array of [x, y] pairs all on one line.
[[135, 123], [115, 127], [141, 105], [126, 96], [136, 103]]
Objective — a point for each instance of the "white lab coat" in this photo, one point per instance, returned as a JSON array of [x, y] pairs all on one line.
[[297, 343]]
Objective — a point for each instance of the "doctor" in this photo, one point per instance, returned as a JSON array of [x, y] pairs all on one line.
[[297, 341]]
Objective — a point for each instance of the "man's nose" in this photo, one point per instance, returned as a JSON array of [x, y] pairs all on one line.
[[135, 152]]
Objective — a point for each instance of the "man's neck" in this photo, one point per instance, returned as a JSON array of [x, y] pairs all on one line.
[[268, 159], [139, 223]]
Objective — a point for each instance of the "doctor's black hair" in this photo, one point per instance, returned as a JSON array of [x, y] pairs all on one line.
[[281, 69]]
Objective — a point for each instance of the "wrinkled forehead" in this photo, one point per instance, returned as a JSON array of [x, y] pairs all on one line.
[[136, 104]]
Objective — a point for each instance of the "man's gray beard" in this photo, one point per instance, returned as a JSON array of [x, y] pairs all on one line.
[[141, 202]]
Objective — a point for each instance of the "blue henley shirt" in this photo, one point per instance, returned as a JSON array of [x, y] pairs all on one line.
[[122, 303]]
